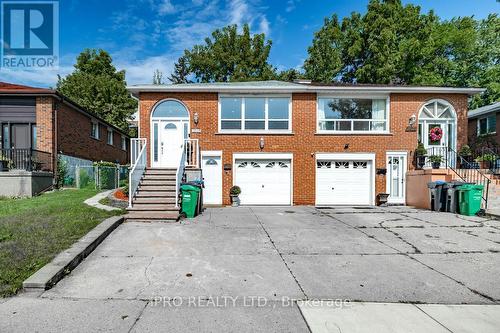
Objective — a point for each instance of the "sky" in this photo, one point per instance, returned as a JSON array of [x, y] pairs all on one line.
[[144, 35]]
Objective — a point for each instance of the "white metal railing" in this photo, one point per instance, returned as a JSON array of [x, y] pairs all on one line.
[[192, 151], [137, 166]]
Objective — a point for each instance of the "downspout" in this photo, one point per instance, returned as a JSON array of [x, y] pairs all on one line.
[[56, 107]]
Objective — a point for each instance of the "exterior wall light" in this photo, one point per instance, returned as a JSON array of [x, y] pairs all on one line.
[[412, 120], [261, 142], [196, 118]]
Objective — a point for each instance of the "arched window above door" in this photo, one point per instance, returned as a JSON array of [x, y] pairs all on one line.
[[170, 109], [437, 109]]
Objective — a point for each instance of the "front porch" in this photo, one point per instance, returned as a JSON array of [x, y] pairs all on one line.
[[25, 172]]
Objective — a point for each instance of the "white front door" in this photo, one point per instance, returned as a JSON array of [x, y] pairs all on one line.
[[168, 142], [396, 177], [263, 181], [212, 176], [343, 182]]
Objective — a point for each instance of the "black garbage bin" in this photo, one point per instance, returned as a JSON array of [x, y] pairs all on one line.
[[451, 193], [437, 195]]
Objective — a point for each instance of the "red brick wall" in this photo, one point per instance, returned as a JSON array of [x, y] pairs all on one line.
[[45, 133], [303, 143], [73, 138]]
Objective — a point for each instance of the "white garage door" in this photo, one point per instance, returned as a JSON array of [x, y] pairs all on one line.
[[343, 182], [263, 182]]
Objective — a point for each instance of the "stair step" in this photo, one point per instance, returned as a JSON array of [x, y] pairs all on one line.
[[160, 172], [151, 216], [153, 207], [158, 182], [157, 188], [151, 194], [154, 200], [159, 178]]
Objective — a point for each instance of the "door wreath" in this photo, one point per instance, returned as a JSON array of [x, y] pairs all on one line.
[[435, 134]]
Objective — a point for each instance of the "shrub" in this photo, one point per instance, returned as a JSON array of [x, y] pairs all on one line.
[[420, 150], [436, 158], [235, 190], [62, 171], [465, 151]]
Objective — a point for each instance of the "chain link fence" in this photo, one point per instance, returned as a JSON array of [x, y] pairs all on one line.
[[81, 173]]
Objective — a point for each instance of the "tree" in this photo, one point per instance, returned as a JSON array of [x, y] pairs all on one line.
[[396, 44], [226, 56], [158, 77], [181, 71], [97, 86]]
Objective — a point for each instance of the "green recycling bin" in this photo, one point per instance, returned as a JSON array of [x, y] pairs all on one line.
[[190, 195], [469, 199]]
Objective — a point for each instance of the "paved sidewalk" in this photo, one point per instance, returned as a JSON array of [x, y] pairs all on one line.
[[392, 317]]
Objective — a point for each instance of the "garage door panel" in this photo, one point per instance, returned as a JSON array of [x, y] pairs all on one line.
[[263, 182], [346, 182]]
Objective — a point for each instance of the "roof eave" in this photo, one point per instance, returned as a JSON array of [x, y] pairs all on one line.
[[136, 90]]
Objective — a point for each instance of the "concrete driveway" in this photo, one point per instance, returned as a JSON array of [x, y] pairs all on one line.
[[236, 269]]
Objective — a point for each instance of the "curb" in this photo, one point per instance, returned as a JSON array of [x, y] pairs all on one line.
[[47, 276]]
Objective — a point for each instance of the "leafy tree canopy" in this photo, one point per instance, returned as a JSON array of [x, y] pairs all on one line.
[[229, 55], [398, 44], [97, 86]]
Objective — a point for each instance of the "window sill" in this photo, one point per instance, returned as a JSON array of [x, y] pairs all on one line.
[[94, 138], [254, 133], [363, 133]]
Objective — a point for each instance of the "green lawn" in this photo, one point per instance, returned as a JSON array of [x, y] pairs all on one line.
[[33, 231]]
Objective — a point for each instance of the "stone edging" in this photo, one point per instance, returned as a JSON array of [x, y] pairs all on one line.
[[47, 276]]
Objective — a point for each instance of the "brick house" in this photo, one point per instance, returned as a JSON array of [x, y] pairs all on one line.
[[299, 143], [38, 124], [484, 122]]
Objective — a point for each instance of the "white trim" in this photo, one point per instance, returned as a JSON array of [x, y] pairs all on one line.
[[152, 120], [350, 157], [404, 154], [295, 87], [214, 153], [354, 96], [266, 156], [211, 153], [266, 115]]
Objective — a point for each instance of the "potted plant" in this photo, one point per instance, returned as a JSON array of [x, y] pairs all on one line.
[[234, 192], [436, 161], [420, 154], [486, 160], [465, 152], [4, 163]]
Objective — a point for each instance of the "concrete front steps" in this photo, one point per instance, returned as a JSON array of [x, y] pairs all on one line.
[[155, 198]]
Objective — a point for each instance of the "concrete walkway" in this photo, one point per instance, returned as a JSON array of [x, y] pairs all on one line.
[[327, 317], [248, 269], [94, 201]]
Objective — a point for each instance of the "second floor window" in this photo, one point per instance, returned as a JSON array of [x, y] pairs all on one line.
[[352, 115], [94, 131], [110, 136], [487, 125], [255, 114]]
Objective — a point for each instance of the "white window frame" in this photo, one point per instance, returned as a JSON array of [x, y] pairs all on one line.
[[96, 136], [266, 119], [124, 142], [487, 125], [354, 96], [110, 130]]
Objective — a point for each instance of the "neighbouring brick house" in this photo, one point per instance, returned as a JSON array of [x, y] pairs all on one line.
[[38, 124], [484, 123], [298, 143]]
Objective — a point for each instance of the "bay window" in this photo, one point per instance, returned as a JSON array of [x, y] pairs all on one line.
[[254, 114], [352, 115]]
